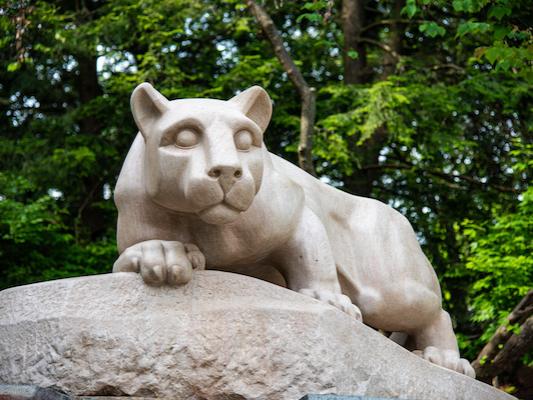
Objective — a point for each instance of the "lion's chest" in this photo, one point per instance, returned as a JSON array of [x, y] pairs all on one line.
[[231, 250], [264, 227]]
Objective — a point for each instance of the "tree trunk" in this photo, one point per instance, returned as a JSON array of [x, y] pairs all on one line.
[[362, 180], [88, 89], [307, 93], [390, 59], [89, 220], [353, 17], [307, 122]]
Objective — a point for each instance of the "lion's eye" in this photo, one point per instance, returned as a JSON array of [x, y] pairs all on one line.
[[186, 138], [243, 140]]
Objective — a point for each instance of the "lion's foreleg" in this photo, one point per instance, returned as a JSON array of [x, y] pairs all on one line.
[[308, 265]]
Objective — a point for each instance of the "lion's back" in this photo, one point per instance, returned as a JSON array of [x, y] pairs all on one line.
[[374, 245]]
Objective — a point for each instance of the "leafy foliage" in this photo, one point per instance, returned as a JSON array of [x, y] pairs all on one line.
[[438, 125], [499, 260], [36, 245]]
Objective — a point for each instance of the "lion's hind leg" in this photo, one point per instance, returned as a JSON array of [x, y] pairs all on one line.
[[436, 343], [415, 316]]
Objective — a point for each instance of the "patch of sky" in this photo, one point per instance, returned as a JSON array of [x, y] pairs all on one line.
[[55, 193], [112, 61], [415, 154], [228, 50], [107, 192]]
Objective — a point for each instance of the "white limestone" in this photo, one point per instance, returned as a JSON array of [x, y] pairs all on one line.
[[199, 189], [220, 336]]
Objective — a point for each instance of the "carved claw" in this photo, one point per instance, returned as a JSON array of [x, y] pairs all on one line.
[[161, 261], [448, 359], [340, 301], [154, 275], [179, 274]]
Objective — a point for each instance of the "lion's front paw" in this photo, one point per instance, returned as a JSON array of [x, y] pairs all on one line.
[[337, 300], [448, 359], [161, 261]]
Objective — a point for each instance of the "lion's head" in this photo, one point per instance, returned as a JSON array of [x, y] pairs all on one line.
[[203, 156]]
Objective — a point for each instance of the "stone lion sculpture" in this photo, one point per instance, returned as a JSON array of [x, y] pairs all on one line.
[[199, 189]]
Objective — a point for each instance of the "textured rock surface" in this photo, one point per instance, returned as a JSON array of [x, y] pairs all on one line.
[[221, 336], [29, 392]]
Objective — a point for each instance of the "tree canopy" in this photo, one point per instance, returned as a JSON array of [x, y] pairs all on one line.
[[425, 105]]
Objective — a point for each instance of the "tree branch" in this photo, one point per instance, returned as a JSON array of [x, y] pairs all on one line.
[[517, 345], [387, 166], [307, 93], [382, 46], [447, 177], [21, 23], [391, 22], [506, 347], [449, 66], [474, 181]]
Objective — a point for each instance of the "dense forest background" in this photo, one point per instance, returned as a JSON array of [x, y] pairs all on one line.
[[425, 105]]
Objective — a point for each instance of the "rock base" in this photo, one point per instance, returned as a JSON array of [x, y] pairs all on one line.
[[222, 336]]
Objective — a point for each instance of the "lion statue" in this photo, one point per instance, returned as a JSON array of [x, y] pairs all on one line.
[[199, 189]]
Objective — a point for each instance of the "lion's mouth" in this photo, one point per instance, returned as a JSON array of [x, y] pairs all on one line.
[[222, 203], [220, 213]]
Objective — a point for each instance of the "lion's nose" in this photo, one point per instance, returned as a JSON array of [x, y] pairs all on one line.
[[227, 175], [225, 171]]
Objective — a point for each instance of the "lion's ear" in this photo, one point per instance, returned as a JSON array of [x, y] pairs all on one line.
[[255, 103], [147, 106]]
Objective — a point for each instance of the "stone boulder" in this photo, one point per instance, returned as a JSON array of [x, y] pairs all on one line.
[[221, 336]]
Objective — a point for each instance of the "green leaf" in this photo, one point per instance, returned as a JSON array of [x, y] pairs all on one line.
[[499, 11], [501, 32], [432, 29], [312, 17], [353, 54], [12, 67], [316, 5], [59, 37], [470, 6], [494, 53], [410, 8], [472, 27], [459, 5]]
